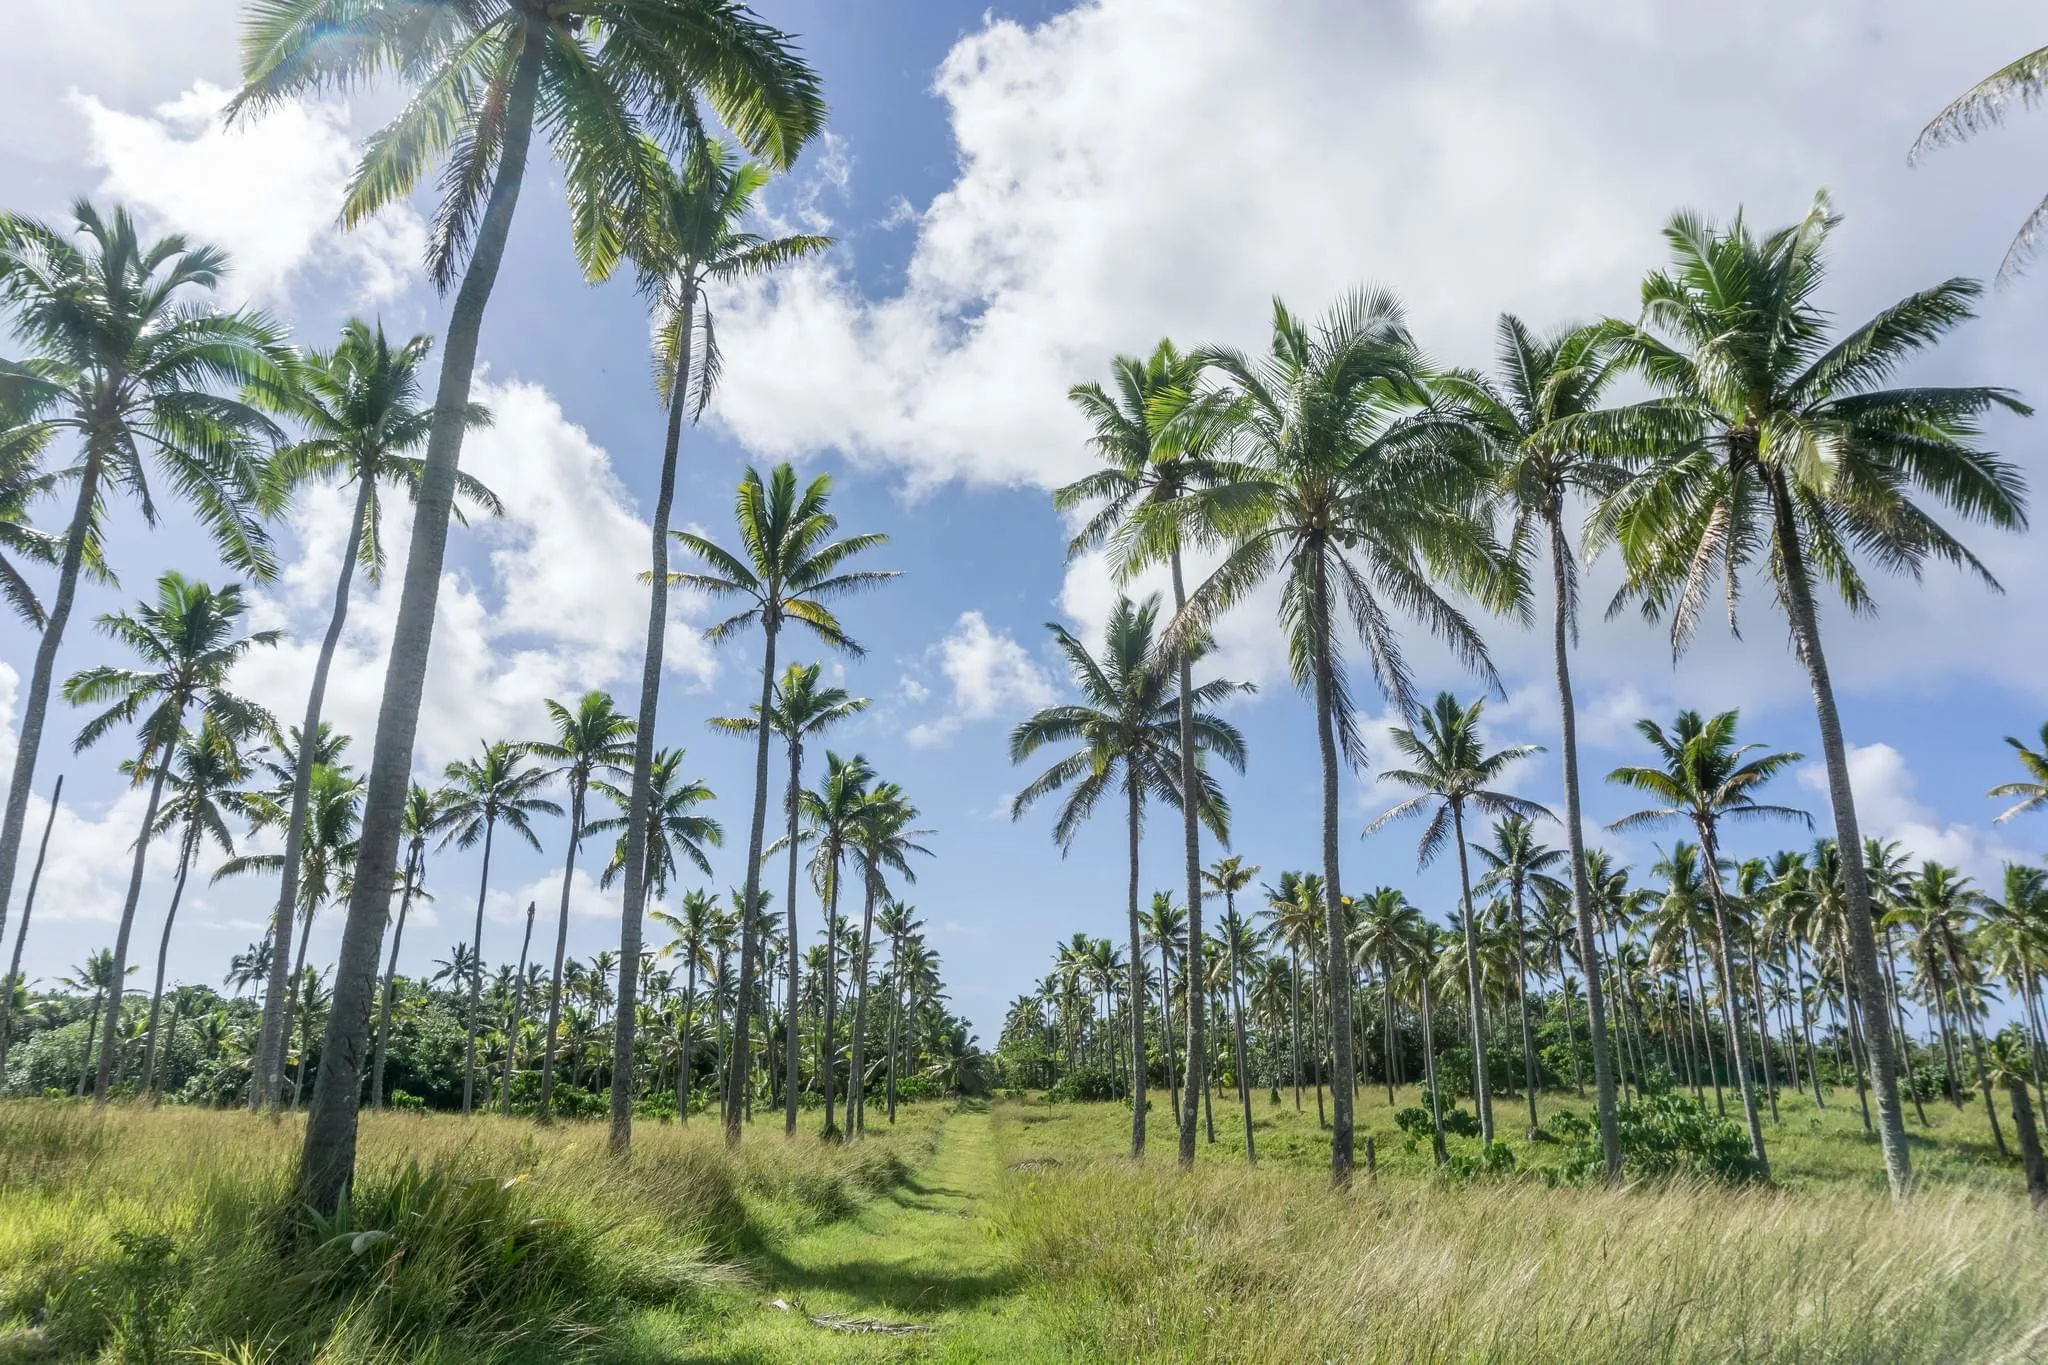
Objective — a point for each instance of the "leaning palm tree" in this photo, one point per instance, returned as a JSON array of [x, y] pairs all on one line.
[[188, 640], [792, 571], [801, 708], [1983, 106], [360, 406], [206, 788], [686, 238], [1541, 382], [1344, 489], [2032, 793], [1768, 445], [1703, 776], [494, 789], [1127, 731], [1150, 462], [423, 819], [125, 360], [1454, 772], [594, 737], [594, 78]]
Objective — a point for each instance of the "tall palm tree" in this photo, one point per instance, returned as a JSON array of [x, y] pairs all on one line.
[[883, 839], [1342, 488], [595, 78], [593, 738], [1766, 442], [188, 640], [1127, 729], [1240, 947], [360, 406], [2032, 793], [125, 359], [1454, 772], [1941, 910], [206, 788], [1293, 916], [693, 928], [899, 924], [1983, 106], [97, 975], [792, 571], [1540, 382], [833, 811], [687, 238], [2015, 927], [1704, 777], [495, 788], [423, 820], [1226, 877], [1166, 926], [1149, 463], [800, 709], [1518, 865]]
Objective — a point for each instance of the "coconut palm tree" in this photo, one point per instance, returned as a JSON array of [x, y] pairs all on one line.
[[2015, 943], [687, 238], [12, 982], [791, 572], [1983, 106], [591, 739], [1705, 778], [595, 78], [1240, 943], [2006, 1067], [97, 976], [1767, 442], [832, 812], [360, 407], [1127, 729], [1294, 917], [1940, 911], [2032, 793], [1165, 926], [1454, 772], [207, 773], [899, 924], [188, 640], [1150, 462], [800, 709], [1519, 866], [423, 820], [883, 839], [1540, 382], [21, 483], [494, 789], [1342, 486], [694, 929], [125, 359]]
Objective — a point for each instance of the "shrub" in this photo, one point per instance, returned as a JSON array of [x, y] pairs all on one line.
[[1667, 1135], [1084, 1083]]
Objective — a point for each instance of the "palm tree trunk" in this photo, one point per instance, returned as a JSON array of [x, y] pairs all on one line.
[[1798, 593], [513, 1020], [92, 1033], [578, 796], [1852, 1007], [476, 973], [2030, 1147], [1196, 1081], [1806, 1022], [1387, 1018], [163, 955], [1984, 1080], [1341, 1086], [269, 1056], [829, 1063], [1763, 1031], [390, 989], [736, 1076], [1244, 1080], [1166, 1030], [1482, 1097], [327, 1160], [857, 1074], [792, 1059], [28, 904], [895, 1014], [634, 903], [1135, 800], [110, 1026], [36, 707], [1294, 1019], [1436, 1094], [1898, 1014], [1522, 989], [683, 1068], [1731, 998]]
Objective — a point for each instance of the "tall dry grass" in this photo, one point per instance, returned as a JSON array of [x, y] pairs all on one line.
[[146, 1235], [1143, 1263]]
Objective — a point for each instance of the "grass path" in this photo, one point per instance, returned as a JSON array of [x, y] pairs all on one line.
[[921, 1254]]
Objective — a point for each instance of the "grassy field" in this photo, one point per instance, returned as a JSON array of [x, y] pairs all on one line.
[[1014, 1231]]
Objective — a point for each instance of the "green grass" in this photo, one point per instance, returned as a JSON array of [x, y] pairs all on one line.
[[1013, 1232]]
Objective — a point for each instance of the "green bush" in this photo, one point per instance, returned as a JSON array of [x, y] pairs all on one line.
[[1084, 1083], [1667, 1135]]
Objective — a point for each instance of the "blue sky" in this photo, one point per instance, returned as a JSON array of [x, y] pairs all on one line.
[[1021, 192]]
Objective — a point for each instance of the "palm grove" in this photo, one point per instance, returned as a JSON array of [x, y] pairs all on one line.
[[134, 383], [1374, 491]]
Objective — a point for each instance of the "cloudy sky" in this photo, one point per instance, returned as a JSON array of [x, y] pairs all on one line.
[[1020, 192]]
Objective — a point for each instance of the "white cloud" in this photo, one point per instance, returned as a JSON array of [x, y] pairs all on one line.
[[268, 190], [991, 675], [1888, 809]]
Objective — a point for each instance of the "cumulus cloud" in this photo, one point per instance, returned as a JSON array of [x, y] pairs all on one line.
[[1888, 809], [989, 673], [268, 190]]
